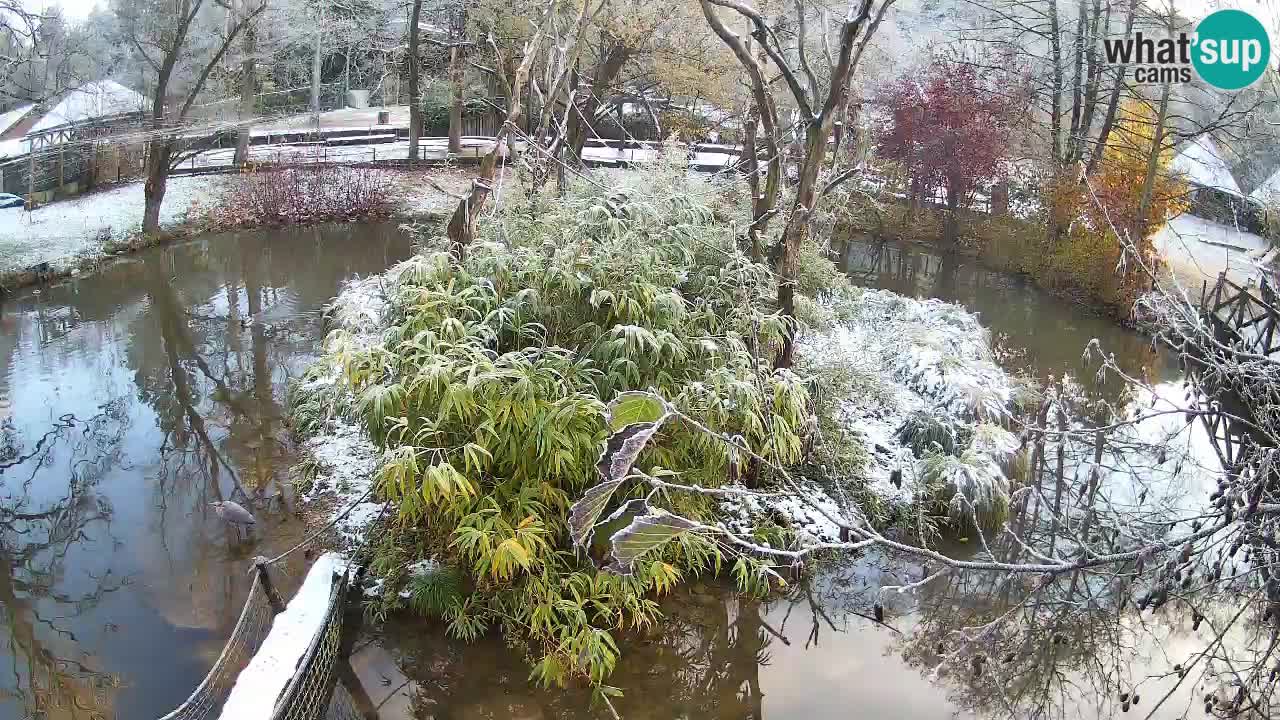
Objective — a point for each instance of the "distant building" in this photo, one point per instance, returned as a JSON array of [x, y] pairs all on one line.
[[11, 118], [1202, 165], [72, 126], [1214, 193], [103, 100]]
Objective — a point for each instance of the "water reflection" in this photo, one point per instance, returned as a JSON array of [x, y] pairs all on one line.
[[813, 653], [1038, 332], [129, 400]]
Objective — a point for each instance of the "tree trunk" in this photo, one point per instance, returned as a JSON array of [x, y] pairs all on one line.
[[1153, 166], [797, 228], [247, 87], [315, 74], [1113, 103], [951, 229], [1093, 76], [1055, 112], [455, 98], [752, 162], [1077, 83], [157, 178], [415, 84], [462, 224], [602, 79]]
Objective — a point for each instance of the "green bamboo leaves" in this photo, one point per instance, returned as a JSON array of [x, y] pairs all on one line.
[[489, 391]]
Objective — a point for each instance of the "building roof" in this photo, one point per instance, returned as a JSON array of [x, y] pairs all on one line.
[[1201, 163], [11, 118], [92, 100], [1268, 193]]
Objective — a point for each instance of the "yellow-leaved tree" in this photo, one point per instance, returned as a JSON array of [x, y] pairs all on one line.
[[1109, 250]]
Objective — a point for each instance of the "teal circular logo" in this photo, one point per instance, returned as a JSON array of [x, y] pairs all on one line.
[[1232, 49]]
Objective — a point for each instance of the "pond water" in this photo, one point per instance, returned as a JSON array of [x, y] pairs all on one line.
[[129, 400], [1038, 332], [133, 397]]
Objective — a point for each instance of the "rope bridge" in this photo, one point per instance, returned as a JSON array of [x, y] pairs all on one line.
[[284, 663], [1243, 320]]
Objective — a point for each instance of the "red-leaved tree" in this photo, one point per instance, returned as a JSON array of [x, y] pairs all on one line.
[[948, 129]]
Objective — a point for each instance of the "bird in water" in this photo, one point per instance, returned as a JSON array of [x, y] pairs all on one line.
[[235, 515]]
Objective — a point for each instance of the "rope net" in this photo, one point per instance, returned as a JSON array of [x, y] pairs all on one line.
[[310, 692], [246, 638], [313, 693]]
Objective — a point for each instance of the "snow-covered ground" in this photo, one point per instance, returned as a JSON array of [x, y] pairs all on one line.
[[434, 150], [347, 460], [65, 232], [1198, 250], [68, 232], [903, 358]]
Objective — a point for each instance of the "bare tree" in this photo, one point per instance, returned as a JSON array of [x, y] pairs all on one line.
[[414, 61], [167, 38], [817, 109], [248, 85], [461, 227]]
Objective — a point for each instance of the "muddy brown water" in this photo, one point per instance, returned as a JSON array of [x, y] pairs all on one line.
[[133, 397]]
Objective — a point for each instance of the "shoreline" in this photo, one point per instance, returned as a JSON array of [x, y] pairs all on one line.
[[94, 253]]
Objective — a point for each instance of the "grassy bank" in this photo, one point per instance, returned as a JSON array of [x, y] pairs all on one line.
[[76, 236], [1079, 268]]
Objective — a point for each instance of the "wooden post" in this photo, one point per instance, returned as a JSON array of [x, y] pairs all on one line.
[[268, 587], [62, 178], [31, 178]]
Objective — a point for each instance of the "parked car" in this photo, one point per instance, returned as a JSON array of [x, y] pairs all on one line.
[[10, 201]]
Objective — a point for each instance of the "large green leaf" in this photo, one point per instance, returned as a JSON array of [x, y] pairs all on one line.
[[623, 447], [644, 534], [635, 418], [636, 407], [585, 512]]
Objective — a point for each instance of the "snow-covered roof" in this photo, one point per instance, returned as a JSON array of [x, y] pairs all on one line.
[[1202, 164], [12, 148], [1268, 193], [11, 118], [93, 100]]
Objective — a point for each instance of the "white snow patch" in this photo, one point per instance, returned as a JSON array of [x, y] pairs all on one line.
[[348, 460], [909, 356], [91, 100], [11, 118], [349, 463], [67, 230], [811, 525], [903, 356], [259, 685]]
